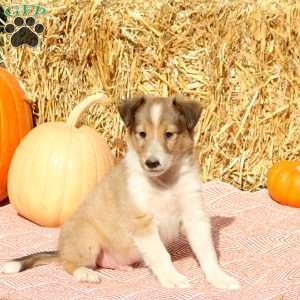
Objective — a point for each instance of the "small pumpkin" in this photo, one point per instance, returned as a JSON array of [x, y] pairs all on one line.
[[15, 123], [283, 182], [56, 165]]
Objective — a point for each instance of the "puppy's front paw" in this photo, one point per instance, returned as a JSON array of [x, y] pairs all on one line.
[[86, 275], [174, 280], [222, 280]]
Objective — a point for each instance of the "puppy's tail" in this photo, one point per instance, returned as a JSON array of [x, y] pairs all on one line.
[[29, 261]]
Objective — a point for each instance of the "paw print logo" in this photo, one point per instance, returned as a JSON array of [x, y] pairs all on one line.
[[24, 32]]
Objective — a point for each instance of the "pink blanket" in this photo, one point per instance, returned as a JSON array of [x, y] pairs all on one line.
[[258, 242]]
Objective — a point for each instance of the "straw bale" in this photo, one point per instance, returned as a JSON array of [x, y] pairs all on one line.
[[239, 59]]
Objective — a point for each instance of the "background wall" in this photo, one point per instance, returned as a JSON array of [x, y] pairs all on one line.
[[239, 59]]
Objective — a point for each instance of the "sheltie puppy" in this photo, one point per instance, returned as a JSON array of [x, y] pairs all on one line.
[[143, 204]]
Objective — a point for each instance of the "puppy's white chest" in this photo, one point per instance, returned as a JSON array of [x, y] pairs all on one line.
[[165, 205], [166, 213]]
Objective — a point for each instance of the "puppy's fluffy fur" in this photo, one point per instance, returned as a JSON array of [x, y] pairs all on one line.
[[143, 204]]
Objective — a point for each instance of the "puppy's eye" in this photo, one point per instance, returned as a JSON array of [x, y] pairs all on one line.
[[169, 135], [142, 134]]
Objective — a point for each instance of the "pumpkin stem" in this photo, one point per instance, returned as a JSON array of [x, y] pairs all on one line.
[[83, 106]]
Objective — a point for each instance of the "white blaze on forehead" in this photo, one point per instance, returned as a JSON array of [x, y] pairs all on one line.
[[155, 114], [155, 149]]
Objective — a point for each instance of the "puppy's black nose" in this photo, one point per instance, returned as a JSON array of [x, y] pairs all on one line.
[[152, 163]]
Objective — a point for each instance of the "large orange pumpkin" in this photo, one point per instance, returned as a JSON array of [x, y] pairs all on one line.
[[55, 166], [283, 182], [15, 122]]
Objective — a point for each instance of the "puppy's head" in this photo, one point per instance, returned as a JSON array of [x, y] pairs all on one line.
[[160, 130]]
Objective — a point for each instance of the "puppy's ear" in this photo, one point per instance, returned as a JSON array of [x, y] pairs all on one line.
[[190, 110], [127, 109]]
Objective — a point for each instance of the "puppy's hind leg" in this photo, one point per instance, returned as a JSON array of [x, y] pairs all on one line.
[[79, 253]]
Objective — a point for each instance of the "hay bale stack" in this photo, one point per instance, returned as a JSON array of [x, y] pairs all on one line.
[[239, 59]]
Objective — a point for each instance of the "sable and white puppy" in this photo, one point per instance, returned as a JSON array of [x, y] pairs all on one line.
[[142, 204]]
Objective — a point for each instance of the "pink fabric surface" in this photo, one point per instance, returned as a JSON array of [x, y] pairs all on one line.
[[258, 242]]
